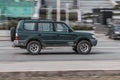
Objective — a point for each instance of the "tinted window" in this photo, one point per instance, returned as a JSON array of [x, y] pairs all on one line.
[[29, 26], [61, 27], [45, 27]]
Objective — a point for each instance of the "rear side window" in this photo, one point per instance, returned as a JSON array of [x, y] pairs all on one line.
[[29, 26], [45, 27]]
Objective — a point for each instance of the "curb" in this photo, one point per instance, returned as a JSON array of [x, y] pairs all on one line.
[[60, 73]]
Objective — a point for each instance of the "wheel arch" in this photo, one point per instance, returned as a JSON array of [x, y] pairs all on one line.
[[34, 39], [83, 39]]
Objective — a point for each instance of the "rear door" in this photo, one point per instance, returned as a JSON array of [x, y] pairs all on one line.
[[46, 32]]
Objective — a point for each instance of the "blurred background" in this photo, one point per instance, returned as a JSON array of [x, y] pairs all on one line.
[[76, 13]]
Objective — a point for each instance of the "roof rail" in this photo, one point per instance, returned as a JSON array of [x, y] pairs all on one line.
[[39, 19]]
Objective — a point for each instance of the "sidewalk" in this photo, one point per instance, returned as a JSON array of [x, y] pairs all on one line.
[[59, 66]]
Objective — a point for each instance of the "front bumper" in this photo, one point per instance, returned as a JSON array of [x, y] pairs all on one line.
[[116, 36], [93, 42], [19, 43]]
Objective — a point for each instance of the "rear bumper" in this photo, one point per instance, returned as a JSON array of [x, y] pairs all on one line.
[[19, 43]]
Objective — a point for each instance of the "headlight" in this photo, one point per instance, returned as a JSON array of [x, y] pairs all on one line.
[[93, 36], [117, 32]]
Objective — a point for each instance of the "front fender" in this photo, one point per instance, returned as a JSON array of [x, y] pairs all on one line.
[[79, 39]]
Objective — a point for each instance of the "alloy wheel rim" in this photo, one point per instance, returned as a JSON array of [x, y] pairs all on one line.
[[34, 48], [84, 47]]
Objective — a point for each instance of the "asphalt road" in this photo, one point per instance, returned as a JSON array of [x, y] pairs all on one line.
[[105, 50]]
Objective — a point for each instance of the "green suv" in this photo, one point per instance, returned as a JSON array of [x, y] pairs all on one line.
[[34, 35]]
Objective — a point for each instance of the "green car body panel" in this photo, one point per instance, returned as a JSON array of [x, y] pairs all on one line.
[[50, 38]]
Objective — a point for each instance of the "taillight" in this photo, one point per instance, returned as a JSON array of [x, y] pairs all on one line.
[[16, 36]]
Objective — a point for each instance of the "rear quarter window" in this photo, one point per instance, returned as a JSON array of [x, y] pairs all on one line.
[[29, 26]]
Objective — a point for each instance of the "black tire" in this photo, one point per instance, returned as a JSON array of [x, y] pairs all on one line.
[[74, 49], [34, 47], [12, 33], [83, 47]]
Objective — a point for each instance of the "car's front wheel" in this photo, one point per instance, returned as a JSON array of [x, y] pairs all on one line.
[[34, 47], [83, 47], [74, 49]]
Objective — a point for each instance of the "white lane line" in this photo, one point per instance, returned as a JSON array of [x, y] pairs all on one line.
[[108, 47]]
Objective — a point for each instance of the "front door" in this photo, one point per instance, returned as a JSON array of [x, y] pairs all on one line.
[[64, 36]]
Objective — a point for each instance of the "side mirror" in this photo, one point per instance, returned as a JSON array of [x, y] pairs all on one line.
[[70, 30]]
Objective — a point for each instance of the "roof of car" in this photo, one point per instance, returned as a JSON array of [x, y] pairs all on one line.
[[40, 20], [37, 20]]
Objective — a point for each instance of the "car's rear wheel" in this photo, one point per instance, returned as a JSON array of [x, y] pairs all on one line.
[[34, 47], [83, 47], [12, 33]]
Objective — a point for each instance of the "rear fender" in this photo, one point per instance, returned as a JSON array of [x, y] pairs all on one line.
[[35, 38]]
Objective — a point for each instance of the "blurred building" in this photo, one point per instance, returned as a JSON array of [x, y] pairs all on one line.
[[85, 5], [30, 8], [16, 8]]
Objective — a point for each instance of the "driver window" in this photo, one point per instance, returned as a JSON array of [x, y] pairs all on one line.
[[61, 28]]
